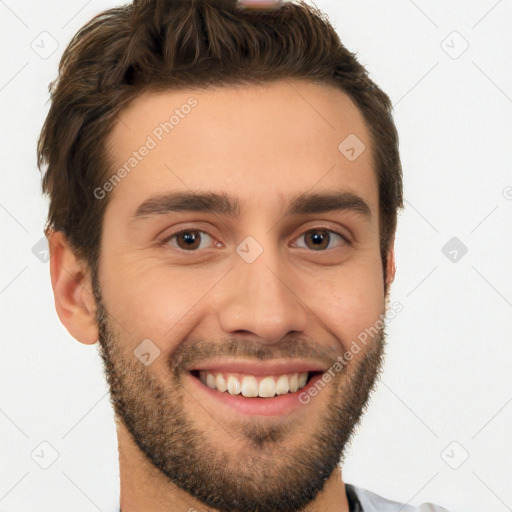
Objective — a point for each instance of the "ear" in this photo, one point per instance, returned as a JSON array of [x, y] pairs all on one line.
[[72, 290], [390, 265]]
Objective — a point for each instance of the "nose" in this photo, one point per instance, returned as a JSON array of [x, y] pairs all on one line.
[[259, 298]]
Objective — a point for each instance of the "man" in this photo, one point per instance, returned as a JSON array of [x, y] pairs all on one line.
[[224, 184]]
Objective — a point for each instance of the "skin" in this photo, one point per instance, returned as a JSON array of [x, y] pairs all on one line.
[[265, 145]]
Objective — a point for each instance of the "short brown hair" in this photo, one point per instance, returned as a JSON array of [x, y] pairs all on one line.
[[178, 44]]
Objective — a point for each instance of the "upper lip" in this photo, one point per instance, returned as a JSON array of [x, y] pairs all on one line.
[[260, 367]]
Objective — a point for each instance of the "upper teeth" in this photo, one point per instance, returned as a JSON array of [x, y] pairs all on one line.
[[250, 386]]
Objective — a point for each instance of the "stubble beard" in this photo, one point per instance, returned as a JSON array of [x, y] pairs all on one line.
[[258, 471]]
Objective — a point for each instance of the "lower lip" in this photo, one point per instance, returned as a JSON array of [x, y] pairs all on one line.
[[276, 406]]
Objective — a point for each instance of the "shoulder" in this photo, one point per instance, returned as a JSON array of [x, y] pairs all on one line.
[[371, 502]]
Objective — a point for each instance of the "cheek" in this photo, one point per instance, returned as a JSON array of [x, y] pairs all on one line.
[[153, 301], [350, 301]]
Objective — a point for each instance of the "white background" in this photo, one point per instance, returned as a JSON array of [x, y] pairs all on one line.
[[446, 390]]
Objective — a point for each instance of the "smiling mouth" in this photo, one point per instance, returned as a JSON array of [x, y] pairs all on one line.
[[254, 386]]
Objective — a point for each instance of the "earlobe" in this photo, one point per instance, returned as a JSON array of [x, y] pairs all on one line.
[[72, 290]]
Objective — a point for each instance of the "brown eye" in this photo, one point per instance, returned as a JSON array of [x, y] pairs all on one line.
[[320, 239], [188, 240]]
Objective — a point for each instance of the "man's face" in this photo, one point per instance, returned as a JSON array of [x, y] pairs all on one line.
[[275, 287]]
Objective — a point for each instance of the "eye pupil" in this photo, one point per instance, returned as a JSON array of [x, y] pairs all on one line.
[[318, 238], [189, 238]]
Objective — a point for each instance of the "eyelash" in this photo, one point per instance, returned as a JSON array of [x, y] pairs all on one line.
[[189, 230]]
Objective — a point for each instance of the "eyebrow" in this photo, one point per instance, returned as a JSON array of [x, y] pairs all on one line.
[[221, 203]]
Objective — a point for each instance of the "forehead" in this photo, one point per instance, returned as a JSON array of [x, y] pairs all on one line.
[[262, 143]]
